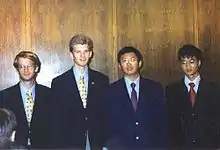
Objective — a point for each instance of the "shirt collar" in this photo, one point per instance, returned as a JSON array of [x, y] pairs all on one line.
[[128, 81], [77, 73], [24, 90], [195, 81]]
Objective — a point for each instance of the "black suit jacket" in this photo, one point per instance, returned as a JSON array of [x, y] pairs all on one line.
[[145, 128], [70, 119], [12, 99], [197, 126]]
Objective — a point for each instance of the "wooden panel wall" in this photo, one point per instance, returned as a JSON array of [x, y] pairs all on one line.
[[54, 22], [209, 37], [158, 28], [12, 38]]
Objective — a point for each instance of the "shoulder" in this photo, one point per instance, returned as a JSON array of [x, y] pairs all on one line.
[[150, 84], [174, 85], [11, 89], [63, 77], [98, 74], [117, 83], [42, 87], [208, 83]]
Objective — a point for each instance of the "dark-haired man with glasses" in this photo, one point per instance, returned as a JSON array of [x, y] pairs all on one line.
[[28, 101], [135, 107]]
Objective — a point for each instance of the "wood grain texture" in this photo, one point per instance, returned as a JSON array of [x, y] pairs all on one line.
[[12, 39], [157, 28], [209, 36], [54, 22]]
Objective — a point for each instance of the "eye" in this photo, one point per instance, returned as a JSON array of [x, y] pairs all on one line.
[[124, 60], [133, 59], [192, 61], [183, 62]]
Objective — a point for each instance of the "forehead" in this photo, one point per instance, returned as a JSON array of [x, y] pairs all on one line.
[[188, 58], [25, 61], [128, 55], [81, 47]]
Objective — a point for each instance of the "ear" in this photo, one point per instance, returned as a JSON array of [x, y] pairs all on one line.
[[71, 55], [12, 138], [90, 54], [36, 69], [199, 63], [119, 65], [140, 64]]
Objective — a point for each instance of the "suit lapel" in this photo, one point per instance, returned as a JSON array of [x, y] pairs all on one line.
[[20, 106], [184, 96], [201, 93], [143, 91], [73, 91], [91, 85], [37, 100], [124, 95]]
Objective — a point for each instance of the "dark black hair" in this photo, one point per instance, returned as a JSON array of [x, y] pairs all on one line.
[[189, 51], [129, 49]]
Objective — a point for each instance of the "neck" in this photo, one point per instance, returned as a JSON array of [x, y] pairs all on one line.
[[80, 68], [133, 77], [28, 84]]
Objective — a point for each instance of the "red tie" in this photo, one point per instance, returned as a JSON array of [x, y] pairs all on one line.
[[192, 93], [134, 96]]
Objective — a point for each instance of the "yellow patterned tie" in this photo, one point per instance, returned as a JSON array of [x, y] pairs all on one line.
[[82, 90], [29, 106]]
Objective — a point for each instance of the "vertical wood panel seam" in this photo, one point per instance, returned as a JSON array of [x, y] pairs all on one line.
[[115, 38], [196, 23], [27, 25]]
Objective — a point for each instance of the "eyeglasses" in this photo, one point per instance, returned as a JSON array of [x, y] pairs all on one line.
[[22, 67], [131, 60]]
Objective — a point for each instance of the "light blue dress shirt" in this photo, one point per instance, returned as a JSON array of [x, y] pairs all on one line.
[[129, 88]]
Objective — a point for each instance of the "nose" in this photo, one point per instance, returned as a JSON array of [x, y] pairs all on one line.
[[187, 65], [82, 54], [129, 62]]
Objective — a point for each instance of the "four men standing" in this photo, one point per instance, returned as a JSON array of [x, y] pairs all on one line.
[[82, 111]]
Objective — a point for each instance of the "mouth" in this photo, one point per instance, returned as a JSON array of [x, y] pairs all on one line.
[[129, 69]]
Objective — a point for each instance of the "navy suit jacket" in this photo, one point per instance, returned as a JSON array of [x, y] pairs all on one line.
[[70, 120], [145, 128], [193, 127], [12, 99]]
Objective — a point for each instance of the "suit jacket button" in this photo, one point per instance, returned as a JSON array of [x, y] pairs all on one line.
[[137, 123], [193, 115], [137, 138], [194, 140]]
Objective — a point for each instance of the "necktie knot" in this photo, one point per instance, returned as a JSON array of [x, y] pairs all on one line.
[[133, 85], [29, 93], [81, 77], [191, 84]]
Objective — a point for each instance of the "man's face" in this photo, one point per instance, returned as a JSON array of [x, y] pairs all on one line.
[[26, 69], [81, 54], [129, 64], [190, 66]]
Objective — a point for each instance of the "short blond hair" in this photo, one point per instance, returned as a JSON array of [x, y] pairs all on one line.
[[80, 39], [30, 55]]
